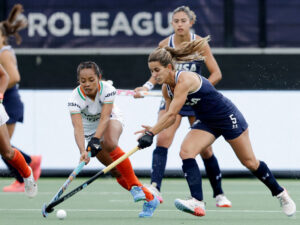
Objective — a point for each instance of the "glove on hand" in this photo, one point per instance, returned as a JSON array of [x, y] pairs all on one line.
[[94, 146], [146, 140]]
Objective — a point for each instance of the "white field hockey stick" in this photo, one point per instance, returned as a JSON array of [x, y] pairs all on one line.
[[124, 92], [71, 177], [49, 208]]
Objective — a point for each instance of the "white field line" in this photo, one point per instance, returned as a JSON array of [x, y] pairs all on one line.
[[264, 192], [137, 210], [164, 193]]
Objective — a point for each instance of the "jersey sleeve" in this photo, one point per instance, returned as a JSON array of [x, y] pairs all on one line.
[[110, 94], [75, 102]]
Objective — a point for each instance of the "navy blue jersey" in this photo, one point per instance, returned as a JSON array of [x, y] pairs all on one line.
[[214, 112], [193, 66]]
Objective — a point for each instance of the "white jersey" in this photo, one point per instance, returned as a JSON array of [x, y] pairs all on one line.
[[90, 110], [3, 115]]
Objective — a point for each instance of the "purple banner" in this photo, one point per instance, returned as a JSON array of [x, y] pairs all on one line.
[[144, 23], [114, 23]]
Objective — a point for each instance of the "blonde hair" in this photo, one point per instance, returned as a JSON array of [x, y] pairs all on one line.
[[188, 51], [15, 22], [190, 13]]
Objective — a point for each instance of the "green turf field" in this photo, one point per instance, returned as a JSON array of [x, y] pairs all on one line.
[[104, 202]]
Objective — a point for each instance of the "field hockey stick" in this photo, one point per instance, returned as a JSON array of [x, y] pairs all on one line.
[[71, 177], [142, 93], [49, 208]]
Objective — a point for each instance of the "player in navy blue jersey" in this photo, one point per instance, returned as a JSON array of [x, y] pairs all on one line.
[[12, 101], [216, 116], [11, 155], [182, 20]]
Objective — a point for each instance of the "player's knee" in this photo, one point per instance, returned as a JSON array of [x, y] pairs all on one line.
[[109, 146], [8, 154], [251, 164], [164, 140], [185, 153], [207, 153]]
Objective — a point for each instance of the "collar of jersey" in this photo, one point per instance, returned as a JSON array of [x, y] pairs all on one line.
[[83, 95]]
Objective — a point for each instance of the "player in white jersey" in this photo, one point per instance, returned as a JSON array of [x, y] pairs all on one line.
[[13, 156], [96, 119], [90, 110]]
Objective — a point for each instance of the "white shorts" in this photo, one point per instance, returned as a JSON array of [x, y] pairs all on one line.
[[3, 115]]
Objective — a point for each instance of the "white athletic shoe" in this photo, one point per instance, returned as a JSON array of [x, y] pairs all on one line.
[[152, 188], [192, 206], [31, 188], [222, 201], [287, 204]]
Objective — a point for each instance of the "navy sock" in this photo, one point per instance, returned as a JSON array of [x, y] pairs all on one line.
[[264, 174], [159, 161], [193, 177], [214, 174], [14, 172]]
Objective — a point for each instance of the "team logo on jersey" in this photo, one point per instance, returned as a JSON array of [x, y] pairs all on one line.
[[111, 94], [193, 101], [196, 122], [73, 104], [186, 67]]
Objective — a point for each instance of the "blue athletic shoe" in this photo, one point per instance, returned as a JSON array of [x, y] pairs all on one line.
[[149, 207], [137, 193]]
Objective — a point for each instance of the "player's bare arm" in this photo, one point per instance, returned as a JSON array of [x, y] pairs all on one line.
[[79, 136], [3, 79], [215, 74], [180, 94], [8, 62]]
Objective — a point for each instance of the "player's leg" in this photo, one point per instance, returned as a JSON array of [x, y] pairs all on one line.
[[33, 161], [215, 177], [15, 158], [160, 153], [213, 173], [110, 143], [195, 141], [105, 158], [243, 150]]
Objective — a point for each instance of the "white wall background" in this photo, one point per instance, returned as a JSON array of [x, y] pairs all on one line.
[[273, 118]]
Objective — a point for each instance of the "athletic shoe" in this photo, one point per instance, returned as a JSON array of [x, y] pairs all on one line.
[[152, 188], [192, 206], [31, 188], [16, 186], [149, 207], [287, 204], [36, 166], [222, 201], [137, 193]]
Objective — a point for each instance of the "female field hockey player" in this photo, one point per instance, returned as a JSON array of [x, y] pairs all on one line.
[[11, 155], [12, 101], [216, 116], [97, 120], [182, 20]]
